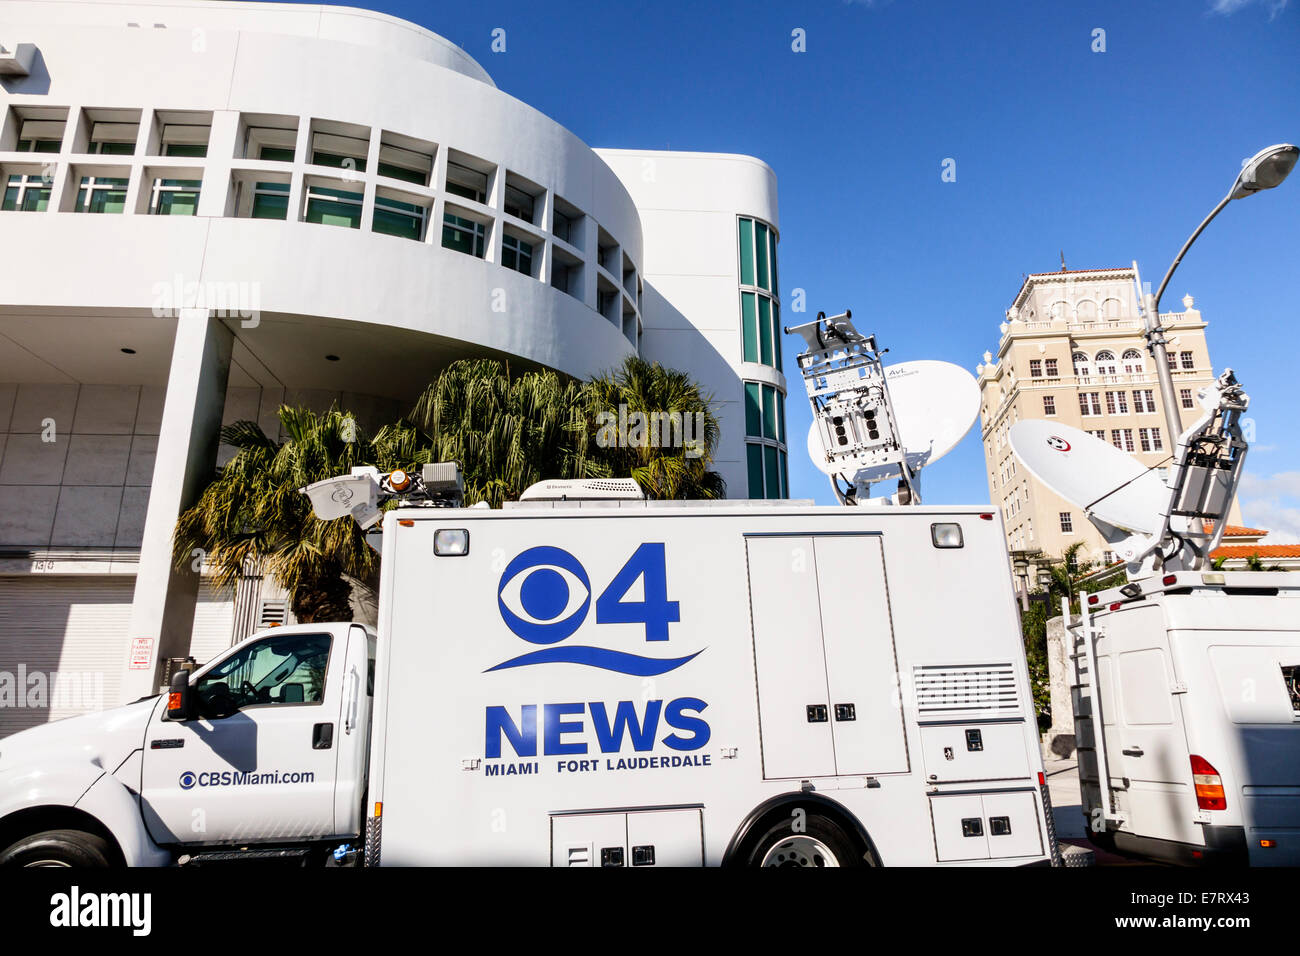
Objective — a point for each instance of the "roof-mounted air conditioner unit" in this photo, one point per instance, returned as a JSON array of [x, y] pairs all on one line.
[[584, 489]]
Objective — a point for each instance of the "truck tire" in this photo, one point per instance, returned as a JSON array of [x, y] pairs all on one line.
[[822, 842], [58, 848]]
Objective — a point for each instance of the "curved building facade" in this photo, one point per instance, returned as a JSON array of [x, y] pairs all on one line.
[[212, 208]]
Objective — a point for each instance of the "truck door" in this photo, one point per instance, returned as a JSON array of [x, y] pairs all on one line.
[[259, 762], [1146, 744], [824, 651], [353, 738]]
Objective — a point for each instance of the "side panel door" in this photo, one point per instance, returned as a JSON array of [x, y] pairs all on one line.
[[789, 657], [861, 669], [260, 764], [1147, 743], [353, 733]]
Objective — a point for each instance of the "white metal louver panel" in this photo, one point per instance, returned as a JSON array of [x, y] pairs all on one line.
[[961, 690], [214, 623], [72, 632]]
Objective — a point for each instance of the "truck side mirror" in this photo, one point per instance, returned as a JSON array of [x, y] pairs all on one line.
[[178, 698]]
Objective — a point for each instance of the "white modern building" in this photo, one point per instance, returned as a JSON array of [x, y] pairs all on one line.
[[213, 208]]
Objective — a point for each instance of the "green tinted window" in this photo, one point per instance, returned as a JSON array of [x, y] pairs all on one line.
[[780, 417], [749, 325], [769, 412], [765, 331], [338, 162], [177, 149], [772, 239], [772, 471], [776, 334], [392, 223], [754, 455], [746, 252], [270, 207], [760, 243], [401, 172], [463, 235], [280, 154], [332, 213], [753, 409], [785, 476]]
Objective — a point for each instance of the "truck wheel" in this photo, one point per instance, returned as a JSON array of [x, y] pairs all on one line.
[[823, 842], [58, 848]]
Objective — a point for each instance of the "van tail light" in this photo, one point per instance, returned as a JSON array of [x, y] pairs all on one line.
[[1209, 785]]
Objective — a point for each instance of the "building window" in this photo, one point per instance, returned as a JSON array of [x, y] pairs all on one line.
[[1090, 403], [26, 194], [463, 235], [1185, 396], [185, 139], [1188, 361], [1134, 363], [466, 182], [563, 227], [174, 197], [1144, 401], [1144, 438], [760, 332], [1067, 522], [394, 217], [1105, 362], [333, 207], [517, 254], [101, 194], [760, 311], [767, 471], [1051, 369], [1115, 439], [1110, 403], [765, 433], [1049, 404], [408, 165], [1156, 443], [1035, 368], [1173, 360], [1081, 365], [1128, 439], [1099, 433], [519, 204], [113, 139], [270, 201]]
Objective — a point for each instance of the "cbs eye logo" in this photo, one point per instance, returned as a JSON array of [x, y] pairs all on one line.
[[188, 780], [544, 595], [1060, 444]]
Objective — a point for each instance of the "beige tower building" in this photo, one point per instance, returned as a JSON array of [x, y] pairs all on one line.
[[1072, 351]]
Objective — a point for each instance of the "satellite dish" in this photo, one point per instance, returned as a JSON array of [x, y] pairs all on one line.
[[1086, 471], [935, 405]]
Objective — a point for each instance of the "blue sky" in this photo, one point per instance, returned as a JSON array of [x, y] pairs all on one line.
[[1110, 156]]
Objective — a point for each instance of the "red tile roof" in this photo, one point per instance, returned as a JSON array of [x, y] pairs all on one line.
[[1068, 271], [1237, 531], [1263, 550]]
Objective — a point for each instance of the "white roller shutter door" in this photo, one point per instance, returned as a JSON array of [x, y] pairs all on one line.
[[214, 623], [71, 626]]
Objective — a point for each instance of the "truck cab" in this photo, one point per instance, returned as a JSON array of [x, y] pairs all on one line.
[[279, 723]]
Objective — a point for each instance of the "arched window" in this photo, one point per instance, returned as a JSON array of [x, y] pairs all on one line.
[[1134, 363], [1081, 365], [1105, 362], [1060, 310], [1086, 311], [1111, 308]]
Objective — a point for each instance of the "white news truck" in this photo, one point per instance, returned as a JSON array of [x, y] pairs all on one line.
[[1199, 699], [589, 683]]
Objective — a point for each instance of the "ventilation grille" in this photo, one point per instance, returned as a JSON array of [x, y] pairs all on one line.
[[988, 688], [273, 614]]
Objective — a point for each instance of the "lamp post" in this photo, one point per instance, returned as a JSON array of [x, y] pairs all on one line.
[[1262, 171]]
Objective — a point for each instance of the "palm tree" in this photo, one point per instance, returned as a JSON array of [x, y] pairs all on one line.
[[253, 516], [669, 456], [507, 432]]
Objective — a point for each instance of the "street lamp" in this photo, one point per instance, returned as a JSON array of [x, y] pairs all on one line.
[[1262, 171]]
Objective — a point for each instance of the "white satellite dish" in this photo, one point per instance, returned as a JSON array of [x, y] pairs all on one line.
[[1093, 474], [935, 404]]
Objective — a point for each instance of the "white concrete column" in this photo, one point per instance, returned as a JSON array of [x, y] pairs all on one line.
[[162, 612]]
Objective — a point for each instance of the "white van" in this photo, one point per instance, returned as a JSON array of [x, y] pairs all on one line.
[[1199, 679], [613, 683]]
